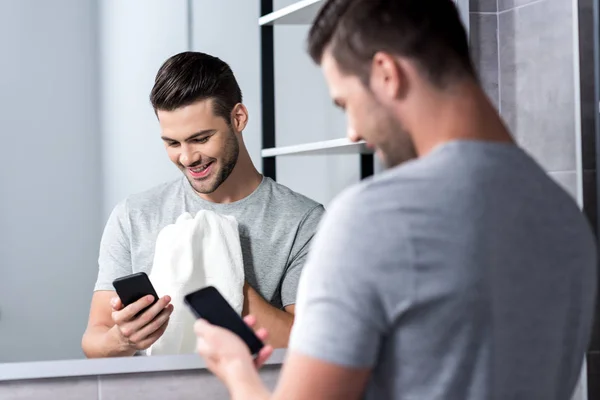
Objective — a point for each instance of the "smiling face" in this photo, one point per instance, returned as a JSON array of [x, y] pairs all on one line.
[[369, 113], [205, 147]]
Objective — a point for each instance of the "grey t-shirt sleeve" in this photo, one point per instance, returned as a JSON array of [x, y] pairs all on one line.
[[346, 299], [114, 259], [306, 231]]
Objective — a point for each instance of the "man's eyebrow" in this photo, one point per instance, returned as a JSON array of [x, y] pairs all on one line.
[[192, 137]]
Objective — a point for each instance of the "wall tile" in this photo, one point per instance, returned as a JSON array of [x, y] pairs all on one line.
[[174, 385], [484, 51], [536, 81], [568, 180], [45, 389], [483, 5], [590, 197], [504, 5]]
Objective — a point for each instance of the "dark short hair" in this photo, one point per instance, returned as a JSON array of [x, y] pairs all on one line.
[[188, 77], [429, 32]]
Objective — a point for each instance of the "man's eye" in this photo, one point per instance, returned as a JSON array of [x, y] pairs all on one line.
[[173, 144], [202, 140]]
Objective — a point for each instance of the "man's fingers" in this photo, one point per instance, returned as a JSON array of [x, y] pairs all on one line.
[[202, 347], [250, 320], [151, 313], [206, 335], [150, 340], [153, 326], [116, 304], [201, 326], [262, 334], [263, 356], [130, 312], [210, 333]]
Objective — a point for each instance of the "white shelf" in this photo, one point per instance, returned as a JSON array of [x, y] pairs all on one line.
[[332, 147], [300, 13]]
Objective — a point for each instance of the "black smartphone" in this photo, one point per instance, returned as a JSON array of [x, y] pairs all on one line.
[[209, 304], [133, 287]]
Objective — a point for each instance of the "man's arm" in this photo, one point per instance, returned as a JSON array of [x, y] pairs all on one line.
[[102, 337], [305, 377], [113, 330], [277, 322]]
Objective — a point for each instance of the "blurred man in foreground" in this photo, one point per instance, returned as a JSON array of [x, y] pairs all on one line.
[[463, 271]]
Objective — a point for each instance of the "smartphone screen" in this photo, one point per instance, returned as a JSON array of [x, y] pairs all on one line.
[[133, 287], [209, 304]]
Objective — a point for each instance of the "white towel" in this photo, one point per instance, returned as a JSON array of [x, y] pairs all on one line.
[[193, 253]]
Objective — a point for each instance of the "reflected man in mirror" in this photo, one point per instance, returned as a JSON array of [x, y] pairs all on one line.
[[199, 106]]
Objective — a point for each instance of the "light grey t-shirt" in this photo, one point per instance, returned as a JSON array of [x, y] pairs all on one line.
[[467, 274], [276, 226]]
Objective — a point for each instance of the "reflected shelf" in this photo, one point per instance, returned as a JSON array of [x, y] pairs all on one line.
[[327, 147], [300, 13]]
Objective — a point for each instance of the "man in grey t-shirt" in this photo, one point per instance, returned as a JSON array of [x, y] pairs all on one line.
[[465, 273], [199, 106]]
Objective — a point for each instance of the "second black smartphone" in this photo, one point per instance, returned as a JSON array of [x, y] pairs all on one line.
[[209, 304], [133, 287]]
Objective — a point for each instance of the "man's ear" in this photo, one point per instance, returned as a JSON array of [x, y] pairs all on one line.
[[239, 117], [388, 80]]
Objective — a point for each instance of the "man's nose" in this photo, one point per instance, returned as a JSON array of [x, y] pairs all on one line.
[[188, 157], [352, 135]]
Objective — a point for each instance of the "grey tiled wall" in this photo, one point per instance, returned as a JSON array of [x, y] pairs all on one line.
[[151, 386], [524, 52], [484, 50]]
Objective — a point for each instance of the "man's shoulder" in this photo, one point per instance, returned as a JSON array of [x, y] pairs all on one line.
[[381, 192], [290, 201], [151, 199]]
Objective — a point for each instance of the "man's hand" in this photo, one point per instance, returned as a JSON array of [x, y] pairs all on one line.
[[228, 357], [141, 332]]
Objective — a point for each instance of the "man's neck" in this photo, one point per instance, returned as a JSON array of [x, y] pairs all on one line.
[[463, 113], [241, 183]]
